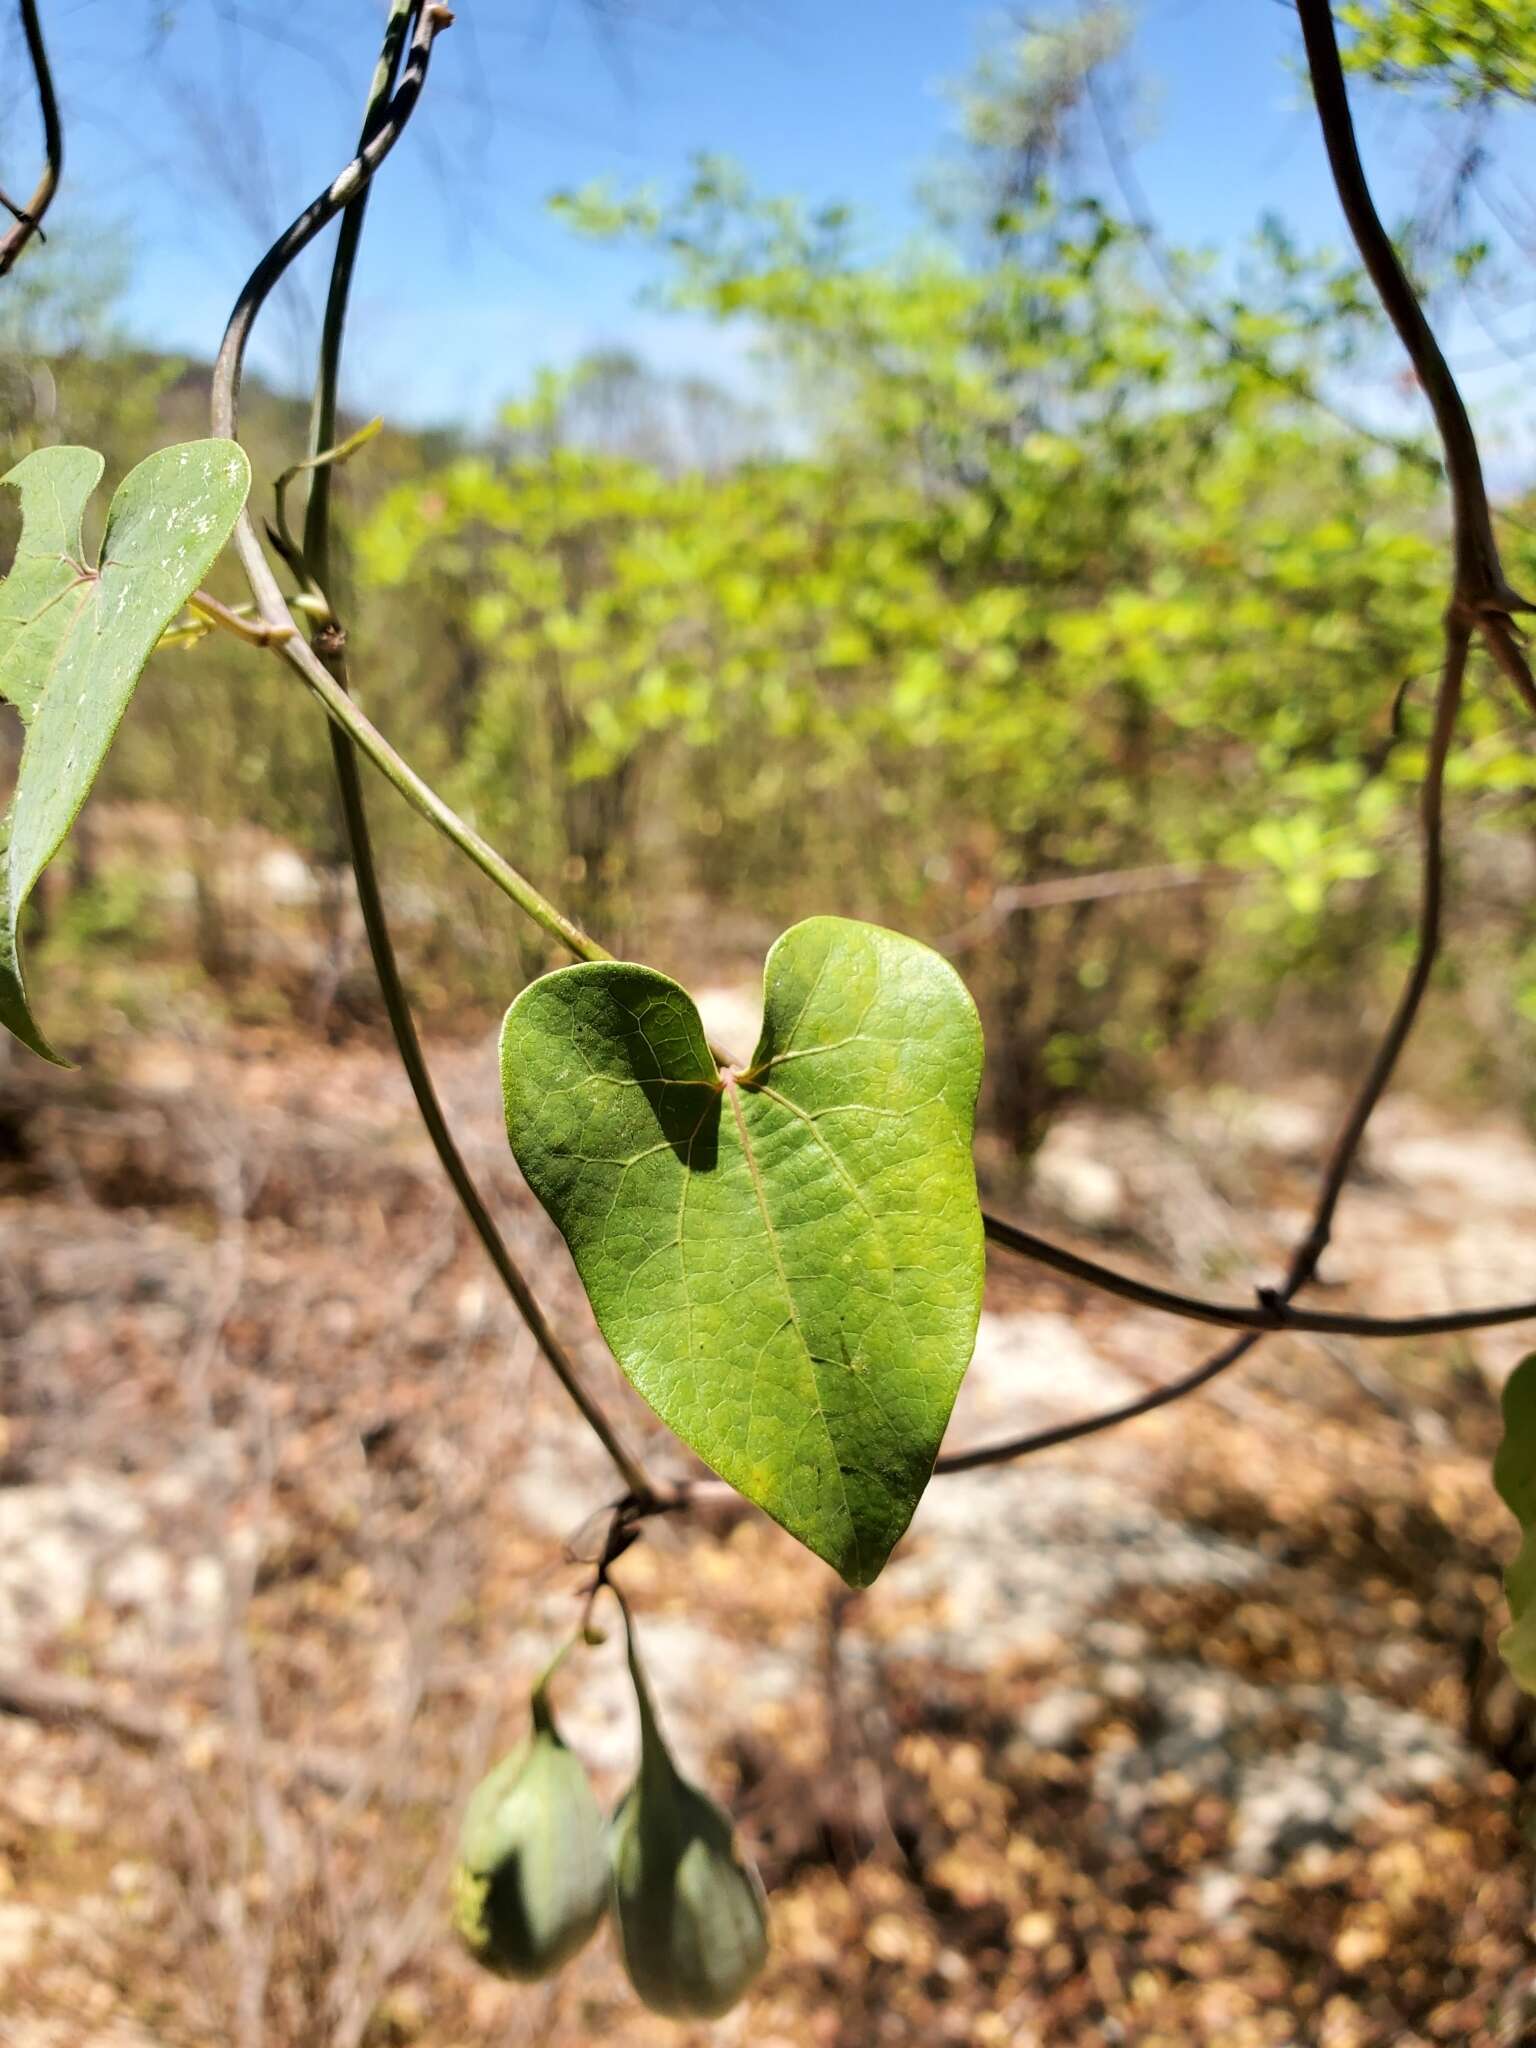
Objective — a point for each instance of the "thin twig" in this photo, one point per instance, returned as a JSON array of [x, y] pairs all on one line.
[[1273, 1312], [1009, 1448], [29, 218], [255, 632], [342, 711], [1108, 885], [1432, 889]]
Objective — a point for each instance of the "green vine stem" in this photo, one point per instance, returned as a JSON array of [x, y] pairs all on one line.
[[408, 1044], [1481, 586], [329, 656], [330, 649], [272, 607]]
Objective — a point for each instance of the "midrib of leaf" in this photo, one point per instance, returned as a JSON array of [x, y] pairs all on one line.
[[87, 584], [804, 1116], [840, 1167], [731, 1087], [83, 586]]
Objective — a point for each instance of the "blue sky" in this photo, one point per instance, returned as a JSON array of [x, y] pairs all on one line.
[[466, 284]]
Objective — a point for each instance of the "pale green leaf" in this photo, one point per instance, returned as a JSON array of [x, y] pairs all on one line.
[[786, 1261], [1514, 1474], [74, 639]]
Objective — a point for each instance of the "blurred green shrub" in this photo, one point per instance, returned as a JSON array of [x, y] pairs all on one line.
[[1027, 568]]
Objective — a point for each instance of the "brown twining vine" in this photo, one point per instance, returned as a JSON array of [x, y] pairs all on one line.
[[29, 218]]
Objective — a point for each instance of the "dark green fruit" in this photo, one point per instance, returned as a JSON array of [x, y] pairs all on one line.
[[532, 1880], [688, 1904]]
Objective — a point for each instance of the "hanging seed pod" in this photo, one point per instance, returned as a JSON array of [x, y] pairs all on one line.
[[531, 1882], [688, 1904]]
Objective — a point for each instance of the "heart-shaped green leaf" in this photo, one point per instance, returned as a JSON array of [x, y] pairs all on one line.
[[1514, 1474], [74, 639], [787, 1261]]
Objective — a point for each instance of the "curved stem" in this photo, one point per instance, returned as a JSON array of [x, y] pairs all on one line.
[[209, 611], [408, 1043], [322, 422], [342, 711], [386, 125], [29, 218], [1480, 583], [270, 602], [329, 651], [1432, 890], [1012, 1447], [1480, 597], [1305, 1259]]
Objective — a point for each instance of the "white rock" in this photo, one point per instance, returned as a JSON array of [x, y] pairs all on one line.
[[1018, 1553], [1221, 1733], [1057, 1721], [20, 1926], [1072, 1180], [54, 1539], [1033, 1366], [733, 1017], [283, 876], [203, 1587], [140, 1576], [1490, 1170], [1218, 1892]]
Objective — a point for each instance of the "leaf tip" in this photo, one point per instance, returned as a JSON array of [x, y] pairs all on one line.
[[16, 1018]]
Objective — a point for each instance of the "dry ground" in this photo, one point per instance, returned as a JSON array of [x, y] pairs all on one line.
[[1187, 1735]]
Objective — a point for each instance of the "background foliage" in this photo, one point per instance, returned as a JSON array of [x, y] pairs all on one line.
[[1067, 566]]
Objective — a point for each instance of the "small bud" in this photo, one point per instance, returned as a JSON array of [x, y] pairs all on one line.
[[688, 1904], [531, 1882]]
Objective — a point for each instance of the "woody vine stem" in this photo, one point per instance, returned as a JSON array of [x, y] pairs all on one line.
[[29, 218], [1480, 607]]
